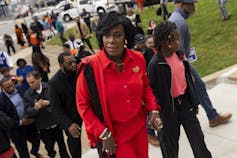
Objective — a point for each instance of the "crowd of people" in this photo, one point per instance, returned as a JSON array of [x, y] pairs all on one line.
[[118, 92]]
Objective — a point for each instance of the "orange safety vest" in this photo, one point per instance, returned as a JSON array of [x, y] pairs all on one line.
[[73, 51], [33, 39]]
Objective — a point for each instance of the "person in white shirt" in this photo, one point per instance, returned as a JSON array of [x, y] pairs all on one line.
[[74, 44]]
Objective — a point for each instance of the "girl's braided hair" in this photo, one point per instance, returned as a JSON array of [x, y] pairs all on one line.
[[162, 33]]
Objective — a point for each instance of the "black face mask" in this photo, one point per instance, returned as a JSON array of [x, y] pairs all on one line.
[[187, 12]]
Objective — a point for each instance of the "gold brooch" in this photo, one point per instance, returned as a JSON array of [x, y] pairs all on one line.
[[135, 69]]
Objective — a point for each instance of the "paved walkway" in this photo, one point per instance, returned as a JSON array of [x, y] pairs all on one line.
[[221, 140]]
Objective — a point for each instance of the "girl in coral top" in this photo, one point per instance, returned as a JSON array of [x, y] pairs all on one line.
[[117, 125], [174, 90]]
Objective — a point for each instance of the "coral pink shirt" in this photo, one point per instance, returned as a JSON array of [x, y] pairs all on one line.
[[178, 80]]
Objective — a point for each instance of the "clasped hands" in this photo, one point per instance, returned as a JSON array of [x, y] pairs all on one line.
[[41, 103], [155, 121], [108, 142]]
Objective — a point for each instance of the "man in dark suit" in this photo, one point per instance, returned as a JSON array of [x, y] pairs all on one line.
[[37, 105], [11, 103], [62, 96]]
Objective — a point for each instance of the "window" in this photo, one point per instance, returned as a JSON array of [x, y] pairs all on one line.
[[83, 1]]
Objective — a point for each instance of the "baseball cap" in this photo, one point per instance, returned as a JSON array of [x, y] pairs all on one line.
[[140, 38], [185, 1]]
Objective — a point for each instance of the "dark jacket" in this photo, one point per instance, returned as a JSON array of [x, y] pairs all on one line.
[[8, 40], [86, 17], [24, 28], [6, 124], [8, 108], [148, 54], [159, 73], [44, 117], [62, 94]]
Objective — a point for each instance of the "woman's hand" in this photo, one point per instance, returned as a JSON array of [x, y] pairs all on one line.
[[108, 143], [155, 120]]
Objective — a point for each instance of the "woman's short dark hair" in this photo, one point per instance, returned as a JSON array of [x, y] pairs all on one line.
[[162, 31], [38, 59], [20, 60], [110, 20]]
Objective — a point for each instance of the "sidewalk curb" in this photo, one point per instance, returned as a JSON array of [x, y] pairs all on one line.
[[217, 77], [4, 22]]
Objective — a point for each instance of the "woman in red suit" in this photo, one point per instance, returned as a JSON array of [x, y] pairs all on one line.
[[113, 92]]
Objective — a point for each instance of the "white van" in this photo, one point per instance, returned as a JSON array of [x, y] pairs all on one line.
[[62, 6], [96, 6], [91, 6], [69, 14]]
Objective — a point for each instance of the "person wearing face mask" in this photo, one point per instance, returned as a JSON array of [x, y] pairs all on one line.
[[174, 90], [183, 10]]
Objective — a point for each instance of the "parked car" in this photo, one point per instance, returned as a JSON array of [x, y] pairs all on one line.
[[62, 6], [45, 3], [69, 14], [40, 13], [21, 11], [96, 6], [61, 3]]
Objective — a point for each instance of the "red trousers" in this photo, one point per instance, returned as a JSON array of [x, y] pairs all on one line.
[[137, 147], [8, 154]]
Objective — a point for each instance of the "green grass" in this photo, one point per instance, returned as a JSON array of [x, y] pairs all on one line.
[[57, 41], [215, 40]]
